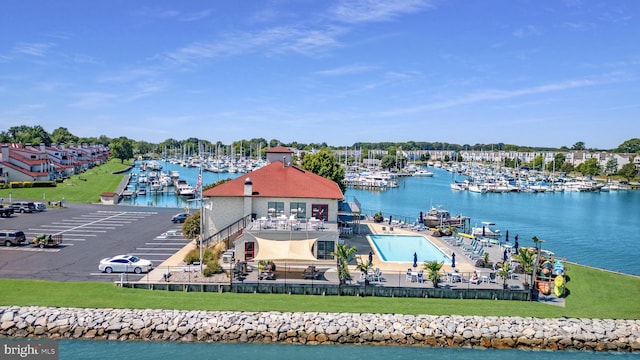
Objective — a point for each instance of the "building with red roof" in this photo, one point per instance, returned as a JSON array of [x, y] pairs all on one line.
[[290, 214]]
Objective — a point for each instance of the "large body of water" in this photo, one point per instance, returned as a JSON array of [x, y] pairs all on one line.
[[89, 350], [596, 229]]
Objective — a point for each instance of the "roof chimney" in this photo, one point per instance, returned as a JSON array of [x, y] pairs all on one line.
[[248, 187]]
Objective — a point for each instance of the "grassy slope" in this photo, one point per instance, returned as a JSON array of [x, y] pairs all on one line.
[[85, 187], [591, 296]]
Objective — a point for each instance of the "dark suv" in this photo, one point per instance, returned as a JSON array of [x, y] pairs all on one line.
[[179, 218], [23, 206]]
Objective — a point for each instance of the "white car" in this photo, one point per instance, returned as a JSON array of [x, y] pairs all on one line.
[[125, 263]]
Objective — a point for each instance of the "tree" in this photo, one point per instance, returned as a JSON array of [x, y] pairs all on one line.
[[628, 171], [589, 167], [612, 166], [433, 271], [578, 146], [191, 226], [62, 135], [388, 162], [122, 148], [556, 164], [326, 165], [504, 272], [526, 258], [343, 255], [629, 146], [364, 266]]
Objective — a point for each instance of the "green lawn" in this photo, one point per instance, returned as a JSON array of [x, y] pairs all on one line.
[[594, 294], [85, 187]]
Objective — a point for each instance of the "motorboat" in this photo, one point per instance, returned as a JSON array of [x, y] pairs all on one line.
[[486, 230], [425, 173], [436, 216]]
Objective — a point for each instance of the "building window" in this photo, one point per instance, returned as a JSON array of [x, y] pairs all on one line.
[[275, 208], [298, 209], [325, 248], [320, 211]]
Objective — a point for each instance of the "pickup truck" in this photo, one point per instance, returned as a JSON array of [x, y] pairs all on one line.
[[6, 211]]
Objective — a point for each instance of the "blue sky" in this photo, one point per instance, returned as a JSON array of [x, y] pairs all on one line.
[[539, 73]]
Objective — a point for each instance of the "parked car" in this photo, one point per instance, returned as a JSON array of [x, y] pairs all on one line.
[[179, 218], [12, 237], [125, 263], [23, 206], [40, 206], [6, 211]]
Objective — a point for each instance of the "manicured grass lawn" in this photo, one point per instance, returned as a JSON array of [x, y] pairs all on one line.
[[594, 294], [85, 187]]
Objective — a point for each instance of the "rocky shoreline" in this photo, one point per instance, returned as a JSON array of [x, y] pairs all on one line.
[[320, 328]]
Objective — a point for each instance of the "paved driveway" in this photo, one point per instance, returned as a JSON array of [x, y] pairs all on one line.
[[89, 233]]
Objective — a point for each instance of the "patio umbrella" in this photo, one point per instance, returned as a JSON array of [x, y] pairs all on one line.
[[507, 236], [482, 230], [415, 260], [390, 219], [420, 218], [453, 260], [370, 258], [515, 246], [505, 256]]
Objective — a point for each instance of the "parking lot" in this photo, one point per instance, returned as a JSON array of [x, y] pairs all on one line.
[[89, 233]]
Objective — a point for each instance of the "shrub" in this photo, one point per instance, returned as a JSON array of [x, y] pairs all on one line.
[[215, 267], [192, 256], [15, 184], [40, 184]]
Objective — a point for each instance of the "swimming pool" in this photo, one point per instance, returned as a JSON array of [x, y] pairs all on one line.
[[400, 248]]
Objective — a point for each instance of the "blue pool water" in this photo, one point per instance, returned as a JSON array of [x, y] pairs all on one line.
[[400, 248]]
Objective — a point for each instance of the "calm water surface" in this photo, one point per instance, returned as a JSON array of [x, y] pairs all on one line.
[[596, 229], [80, 350]]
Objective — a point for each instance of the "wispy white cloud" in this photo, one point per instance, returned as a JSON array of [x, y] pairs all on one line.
[[270, 41], [145, 89], [194, 16], [526, 31], [164, 14], [93, 99], [346, 70], [492, 95], [33, 49], [357, 11], [579, 26]]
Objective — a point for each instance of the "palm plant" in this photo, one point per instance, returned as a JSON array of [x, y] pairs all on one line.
[[433, 271], [343, 255], [526, 257], [364, 265], [505, 270]]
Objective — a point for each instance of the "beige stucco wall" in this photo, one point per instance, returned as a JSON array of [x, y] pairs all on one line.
[[221, 212]]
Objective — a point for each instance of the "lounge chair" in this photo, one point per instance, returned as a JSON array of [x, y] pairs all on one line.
[[377, 275]]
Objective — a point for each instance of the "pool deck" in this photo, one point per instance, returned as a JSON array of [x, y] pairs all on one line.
[[393, 273]]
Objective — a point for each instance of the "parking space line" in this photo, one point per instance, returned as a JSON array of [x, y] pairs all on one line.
[[166, 244], [151, 254], [29, 248]]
